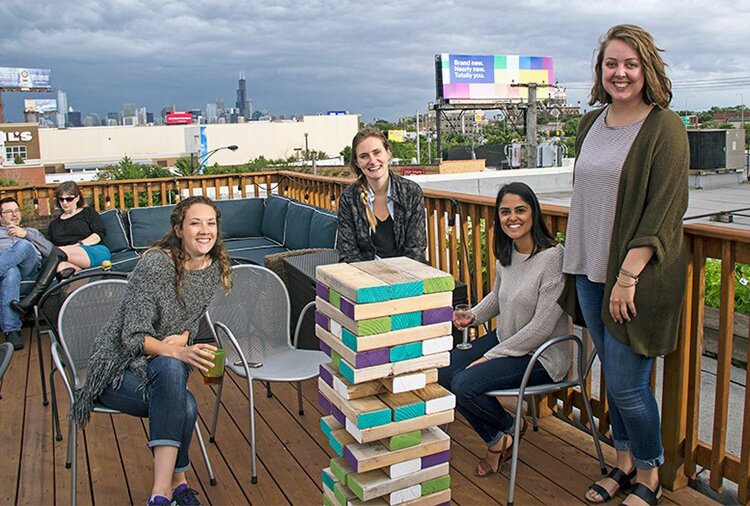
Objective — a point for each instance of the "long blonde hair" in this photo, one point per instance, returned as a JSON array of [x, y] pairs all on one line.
[[361, 179], [172, 244]]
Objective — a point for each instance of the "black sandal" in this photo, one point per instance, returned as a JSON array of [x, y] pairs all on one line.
[[642, 492], [624, 481]]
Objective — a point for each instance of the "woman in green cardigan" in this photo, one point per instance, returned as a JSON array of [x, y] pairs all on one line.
[[624, 250]]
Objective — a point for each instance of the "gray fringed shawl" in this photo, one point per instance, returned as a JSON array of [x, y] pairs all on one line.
[[150, 307]]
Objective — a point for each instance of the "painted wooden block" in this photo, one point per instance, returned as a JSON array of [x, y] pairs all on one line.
[[326, 373], [436, 360], [327, 501], [403, 468], [358, 359], [405, 440], [338, 439], [364, 413], [405, 352], [340, 469], [392, 429], [328, 424], [349, 390], [406, 320], [338, 415], [437, 315], [335, 358], [402, 284], [383, 371], [334, 298], [328, 478], [324, 348], [335, 328], [374, 484], [324, 403], [378, 455], [434, 280], [322, 320], [442, 498], [408, 382], [321, 290], [436, 398], [362, 375], [353, 283], [358, 328], [435, 459], [358, 312], [437, 345], [343, 495], [436, 485], [404, 405], [394, 337], [405, 494]]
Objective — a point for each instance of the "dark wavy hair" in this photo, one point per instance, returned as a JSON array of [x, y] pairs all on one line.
[[172, 244], [657, 88], [543, 239], [69, 187]]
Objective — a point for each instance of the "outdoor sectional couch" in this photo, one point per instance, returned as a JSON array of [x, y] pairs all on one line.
[[252, 228]]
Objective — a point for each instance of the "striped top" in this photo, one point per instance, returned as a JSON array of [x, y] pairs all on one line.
[[594, 200]]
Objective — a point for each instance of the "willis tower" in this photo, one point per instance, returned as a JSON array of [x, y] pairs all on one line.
[[242, 97]]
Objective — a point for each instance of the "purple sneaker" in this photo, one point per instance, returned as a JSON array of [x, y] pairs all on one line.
[[158, 500], [185, 496]]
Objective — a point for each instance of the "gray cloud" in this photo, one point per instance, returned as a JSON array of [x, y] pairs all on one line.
[[312, 56]]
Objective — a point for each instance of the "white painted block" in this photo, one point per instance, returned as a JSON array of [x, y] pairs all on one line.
[[440, 404], [408, 382], [340, 388], [405, 494], [437, 345], [352, 429], [404, 468], [335, 328]]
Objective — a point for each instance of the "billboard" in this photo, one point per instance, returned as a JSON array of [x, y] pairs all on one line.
[[179, 118], [396, 135], [40, 105], [489, 77], [24, 79]]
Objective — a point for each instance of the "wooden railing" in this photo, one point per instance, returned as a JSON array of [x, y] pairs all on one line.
[[460, 235]]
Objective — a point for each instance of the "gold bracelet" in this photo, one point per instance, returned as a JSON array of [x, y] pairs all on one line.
[[628, 273], [624, 284]]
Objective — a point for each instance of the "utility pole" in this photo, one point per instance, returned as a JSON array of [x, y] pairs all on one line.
[[531, 128], [418, 157]]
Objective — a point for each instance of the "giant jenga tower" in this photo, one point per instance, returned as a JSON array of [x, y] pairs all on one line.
[[386, 324]]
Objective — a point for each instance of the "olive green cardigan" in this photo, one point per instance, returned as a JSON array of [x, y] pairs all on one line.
[[652, 198]]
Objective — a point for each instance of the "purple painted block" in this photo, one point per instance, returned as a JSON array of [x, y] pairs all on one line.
[[435, 459], [373, 357], [326, 375], [324, 403], [351, 459], [439, 315], [324, 348], [347, 307], [322, 320], [321, 290], [338, 415]]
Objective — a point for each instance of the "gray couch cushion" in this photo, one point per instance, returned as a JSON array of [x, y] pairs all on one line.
[[256, 255], [297, 233], [241, 218], [148, 224], [116, 238], [274, 218], [323, 229], [252, 242]]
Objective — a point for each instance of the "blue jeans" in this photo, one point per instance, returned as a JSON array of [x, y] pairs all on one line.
[[488, 418], [170, 407], [16, 262], [633, 411]]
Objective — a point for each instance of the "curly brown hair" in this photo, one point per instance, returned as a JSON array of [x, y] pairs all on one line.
[[657, 88], [363, 134], [172, 244]]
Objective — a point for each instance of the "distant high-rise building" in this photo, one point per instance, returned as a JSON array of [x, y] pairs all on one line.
[[141, 115], [220, 107], [211, 113], [89, 121], [241, 103], [128, 110], [74, 119], [62, 108], [166, 110], [249, 109], [150, 118], [113, 116]]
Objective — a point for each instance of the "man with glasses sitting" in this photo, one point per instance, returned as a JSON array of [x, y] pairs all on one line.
[[21, 250]]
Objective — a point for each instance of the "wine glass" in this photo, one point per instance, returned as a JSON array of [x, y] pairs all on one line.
[[463, 316]]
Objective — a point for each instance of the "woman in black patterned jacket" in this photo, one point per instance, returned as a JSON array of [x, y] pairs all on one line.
[[382, 214]]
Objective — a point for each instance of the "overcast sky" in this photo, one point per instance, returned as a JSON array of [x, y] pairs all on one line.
[[374, 58]]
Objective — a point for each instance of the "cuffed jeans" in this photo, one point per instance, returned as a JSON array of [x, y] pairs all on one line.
[[170, 408], [485, 414], [16, 262], [633, 411]]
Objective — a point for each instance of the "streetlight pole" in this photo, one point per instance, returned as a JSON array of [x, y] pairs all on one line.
[[202, 164]]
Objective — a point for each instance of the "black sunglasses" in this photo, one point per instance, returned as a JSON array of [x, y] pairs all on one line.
[[67, 199]]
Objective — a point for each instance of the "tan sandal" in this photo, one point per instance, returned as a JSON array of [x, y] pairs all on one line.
[[485, 469]]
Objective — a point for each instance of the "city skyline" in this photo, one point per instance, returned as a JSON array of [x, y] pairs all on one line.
[[376, 61]]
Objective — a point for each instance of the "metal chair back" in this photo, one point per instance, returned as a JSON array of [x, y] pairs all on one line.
[[259, 305], [84, 313], [6, 354]]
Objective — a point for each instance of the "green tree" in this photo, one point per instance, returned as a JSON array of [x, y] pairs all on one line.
[[404, 151], [346, 154], [127, 169], [18, 160], [570, 126], [184, 166], [4, 181]]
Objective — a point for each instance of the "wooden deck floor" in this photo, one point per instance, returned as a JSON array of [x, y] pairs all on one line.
[[557, 463]]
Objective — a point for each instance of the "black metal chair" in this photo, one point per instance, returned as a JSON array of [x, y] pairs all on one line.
[[6, 354], [83, 314]]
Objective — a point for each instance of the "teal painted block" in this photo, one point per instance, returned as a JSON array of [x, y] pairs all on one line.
[[346, 371], [373, 418], [406, 320], [336, 445], [373, 294], [408, 412], [328, 480], [349, 339], [325, 428], [406, 351], [404, 290]]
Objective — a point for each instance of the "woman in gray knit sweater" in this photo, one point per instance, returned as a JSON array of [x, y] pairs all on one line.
[[143, 356], [528, 281]]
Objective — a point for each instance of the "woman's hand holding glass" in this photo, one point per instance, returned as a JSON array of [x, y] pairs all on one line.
[[198, 355], [463, 317]]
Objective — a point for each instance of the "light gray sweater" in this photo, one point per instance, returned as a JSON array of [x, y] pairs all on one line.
[[35, 237], [524, 299]]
